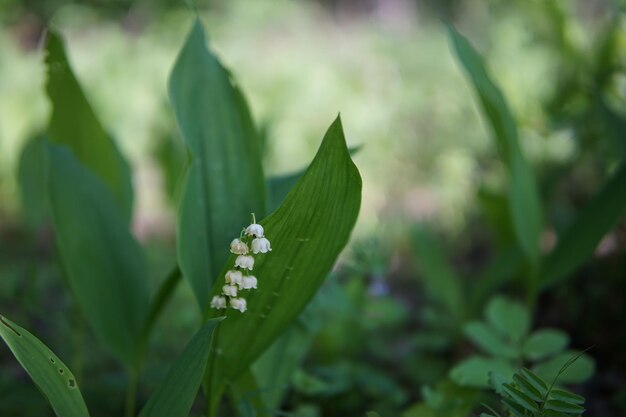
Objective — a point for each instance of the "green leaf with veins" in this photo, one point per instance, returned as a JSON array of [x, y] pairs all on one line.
[[224, 180], [55, 381], [307, 232]]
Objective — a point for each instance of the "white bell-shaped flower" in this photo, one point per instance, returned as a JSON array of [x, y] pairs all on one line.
[[230, 290], [238, 304], [234, 277], [238, 247], [218, 302], [255, 230], [261, 244], [245, 262], [249, 282]]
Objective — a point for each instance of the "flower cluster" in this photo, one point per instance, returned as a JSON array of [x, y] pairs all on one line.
[[252, 241]]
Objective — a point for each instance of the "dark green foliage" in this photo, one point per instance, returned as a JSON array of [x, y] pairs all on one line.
[[445, 399], [530, 396], [374, 341], [444, 286], [579, 240]]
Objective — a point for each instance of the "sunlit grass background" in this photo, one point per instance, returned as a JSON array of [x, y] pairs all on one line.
[[389, 71]]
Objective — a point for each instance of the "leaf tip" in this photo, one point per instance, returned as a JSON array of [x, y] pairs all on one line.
[[8, 325], [337, 122]]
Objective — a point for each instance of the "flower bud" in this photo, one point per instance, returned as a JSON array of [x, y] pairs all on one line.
[[261, 244], [245, 262], [249, 282], [230, 290], [234, 277], [218, 302], [238, 304], [238, 247], [255, 230]]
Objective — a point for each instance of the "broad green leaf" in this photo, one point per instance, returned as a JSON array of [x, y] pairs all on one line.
[[576, 373], [474, 371], [176, 393], [160, 299], [224, 181], [246, 397], [535, 381], [527, 388], [307, 233], [510, 318], [524, 204], [274, 369], [103, 263], [564, 407], [579, 241], [442, 283], [488, 340], [279, 186], [74, 123], [55, 381], [32, 181], [568, 397], [544, 343], [520, 398], [494, 206]]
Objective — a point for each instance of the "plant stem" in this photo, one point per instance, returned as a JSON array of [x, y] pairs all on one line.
[[212, 391], [79, 340], [160, 301], [533, 288], [131, 392]]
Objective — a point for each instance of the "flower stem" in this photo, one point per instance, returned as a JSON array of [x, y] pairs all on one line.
[[131, 392]]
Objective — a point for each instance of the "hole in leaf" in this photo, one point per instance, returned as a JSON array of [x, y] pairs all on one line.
[[51, 360], [71, 383], [61, 371]]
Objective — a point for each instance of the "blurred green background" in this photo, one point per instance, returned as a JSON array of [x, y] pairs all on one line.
[[426, 157]]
